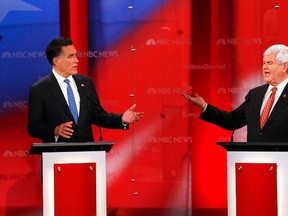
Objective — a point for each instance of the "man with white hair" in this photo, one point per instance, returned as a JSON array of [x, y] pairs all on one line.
[[265, 109]]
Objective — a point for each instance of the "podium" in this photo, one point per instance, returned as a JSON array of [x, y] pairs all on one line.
[[257, 178], [74, 177]]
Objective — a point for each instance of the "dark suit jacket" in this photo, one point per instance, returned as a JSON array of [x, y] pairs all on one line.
[[248, 113], [48, 108]]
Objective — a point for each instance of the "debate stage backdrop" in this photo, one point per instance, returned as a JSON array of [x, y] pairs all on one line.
[[148, 53]]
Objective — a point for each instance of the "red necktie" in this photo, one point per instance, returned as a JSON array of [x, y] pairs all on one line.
[[267, 108]]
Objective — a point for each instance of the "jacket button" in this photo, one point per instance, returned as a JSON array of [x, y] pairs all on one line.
[[260, 133]]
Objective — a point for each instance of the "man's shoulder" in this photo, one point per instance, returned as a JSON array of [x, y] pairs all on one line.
[[43, 80], [80, 78], [260, 88], [256, 92]]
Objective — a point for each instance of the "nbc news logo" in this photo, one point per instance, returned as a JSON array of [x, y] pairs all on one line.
[[167, 42]]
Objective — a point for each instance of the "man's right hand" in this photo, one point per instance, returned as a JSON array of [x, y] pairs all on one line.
[[197, 100], [64, 130]]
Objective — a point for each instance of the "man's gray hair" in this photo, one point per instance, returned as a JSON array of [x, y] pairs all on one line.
[[281, 50]]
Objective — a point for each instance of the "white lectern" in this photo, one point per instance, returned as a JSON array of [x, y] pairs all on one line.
[[74, 177], [257, 178]]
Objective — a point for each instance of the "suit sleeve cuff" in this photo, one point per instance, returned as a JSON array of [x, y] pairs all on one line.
[[125, 126], [203, 110]]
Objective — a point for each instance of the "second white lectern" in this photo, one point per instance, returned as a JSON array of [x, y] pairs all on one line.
[[257, 178]]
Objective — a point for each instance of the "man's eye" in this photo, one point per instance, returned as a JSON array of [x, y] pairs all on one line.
[[269, 63]]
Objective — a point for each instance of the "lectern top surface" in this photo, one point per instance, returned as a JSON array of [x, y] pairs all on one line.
[[254, 146], [39, 148]]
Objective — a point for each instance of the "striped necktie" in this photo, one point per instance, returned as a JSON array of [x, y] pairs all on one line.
[[267, 108]]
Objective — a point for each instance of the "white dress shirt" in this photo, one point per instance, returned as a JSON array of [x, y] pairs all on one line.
[[63, 87], [279, 91]]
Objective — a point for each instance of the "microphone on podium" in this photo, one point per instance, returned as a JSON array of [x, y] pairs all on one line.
[[232, 137], [94, 108]]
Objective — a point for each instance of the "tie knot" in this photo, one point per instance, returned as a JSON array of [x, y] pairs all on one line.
[[67, 81], [274, 89]]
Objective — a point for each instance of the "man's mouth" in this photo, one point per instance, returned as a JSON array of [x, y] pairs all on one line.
[[266, 73]]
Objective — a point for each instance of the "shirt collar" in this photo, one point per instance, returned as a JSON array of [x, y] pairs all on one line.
[[61, 79], [280, 87]]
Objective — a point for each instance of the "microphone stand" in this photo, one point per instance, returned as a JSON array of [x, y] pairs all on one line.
[[97, 119], [232, 137]]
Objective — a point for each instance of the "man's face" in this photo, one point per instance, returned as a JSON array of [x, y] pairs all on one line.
[[273, 72], [67, 63]]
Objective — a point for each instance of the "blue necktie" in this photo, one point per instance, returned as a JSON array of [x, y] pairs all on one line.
[[71, 101]]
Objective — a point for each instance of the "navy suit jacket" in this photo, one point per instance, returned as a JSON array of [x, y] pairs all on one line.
[[248, 113], [48, 108]]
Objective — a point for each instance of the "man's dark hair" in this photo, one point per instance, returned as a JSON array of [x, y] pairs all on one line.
[[54, 48]]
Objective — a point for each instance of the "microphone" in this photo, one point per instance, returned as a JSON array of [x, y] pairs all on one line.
[[94, 108], [232, 137], [100, 131]]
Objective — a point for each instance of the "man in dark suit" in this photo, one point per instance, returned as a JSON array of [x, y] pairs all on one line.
[[273, 127], [49, 116]]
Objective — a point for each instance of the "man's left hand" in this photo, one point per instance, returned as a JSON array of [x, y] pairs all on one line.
[[130, 116]]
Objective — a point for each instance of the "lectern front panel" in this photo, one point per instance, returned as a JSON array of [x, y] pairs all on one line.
[[256, 189], [75, 184]]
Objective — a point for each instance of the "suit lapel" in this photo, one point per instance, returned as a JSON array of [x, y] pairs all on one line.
[[279, 106], [56, 91], [80, 86], [259, 100]]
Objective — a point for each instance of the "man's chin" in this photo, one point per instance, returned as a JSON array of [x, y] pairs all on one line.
[[267, 79]]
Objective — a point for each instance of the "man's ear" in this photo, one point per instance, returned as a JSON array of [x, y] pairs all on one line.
[[285, 67], [56, 61]]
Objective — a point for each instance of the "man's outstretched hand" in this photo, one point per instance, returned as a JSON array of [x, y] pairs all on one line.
[[197, 100], [130, 116]]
